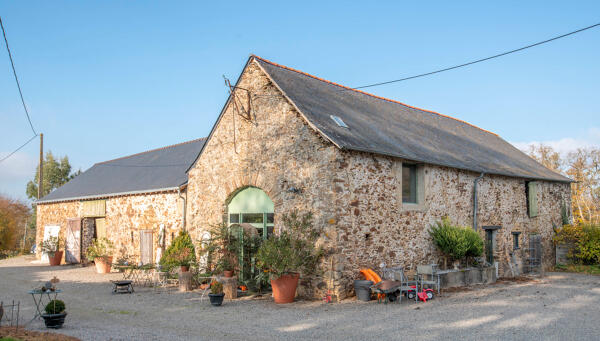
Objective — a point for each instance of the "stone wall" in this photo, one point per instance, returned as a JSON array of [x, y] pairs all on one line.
[[125, 217], [355, 197]]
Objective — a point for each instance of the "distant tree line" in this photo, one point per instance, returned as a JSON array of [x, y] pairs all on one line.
[[583, 166]]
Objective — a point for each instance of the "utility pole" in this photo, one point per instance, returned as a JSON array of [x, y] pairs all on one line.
[[41, 174]]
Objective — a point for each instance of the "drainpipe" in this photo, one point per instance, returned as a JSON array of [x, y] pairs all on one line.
[[184, 204], [475, 200]]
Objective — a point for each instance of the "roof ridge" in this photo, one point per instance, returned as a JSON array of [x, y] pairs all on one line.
[[368, 94], [151, 150]]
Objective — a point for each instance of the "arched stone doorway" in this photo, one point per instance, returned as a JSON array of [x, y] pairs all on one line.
[[252, 206]]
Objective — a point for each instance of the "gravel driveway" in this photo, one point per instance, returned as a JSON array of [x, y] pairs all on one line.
[[561, 306]]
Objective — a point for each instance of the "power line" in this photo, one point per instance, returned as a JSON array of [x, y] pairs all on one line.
[[16, 150], [16, 78], [477, 61]]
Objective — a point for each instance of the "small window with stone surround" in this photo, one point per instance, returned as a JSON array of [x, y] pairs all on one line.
[[515, 236], [411, 181]]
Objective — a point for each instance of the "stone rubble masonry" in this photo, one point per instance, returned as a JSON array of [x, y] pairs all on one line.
[[125, 217], [355, 197]]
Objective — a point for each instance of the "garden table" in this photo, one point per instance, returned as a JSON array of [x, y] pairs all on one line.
[[38, 300]]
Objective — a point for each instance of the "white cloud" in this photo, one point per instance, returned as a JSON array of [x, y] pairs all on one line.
[[567, 144]]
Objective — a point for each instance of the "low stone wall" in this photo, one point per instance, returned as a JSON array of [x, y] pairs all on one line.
[[468, 276]]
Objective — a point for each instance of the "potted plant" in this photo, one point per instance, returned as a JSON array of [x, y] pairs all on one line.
[[55, 314], [183, 259], [180, 253], [288, 254], [100, 252], [226, 264], [222, 246], [216, 293], [51, 247]]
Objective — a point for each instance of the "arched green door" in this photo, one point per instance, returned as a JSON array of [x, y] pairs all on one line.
[[252, 206]]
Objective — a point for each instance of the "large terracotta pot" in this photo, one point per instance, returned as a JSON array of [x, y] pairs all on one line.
[[184, 268], [228, 273], [284, 288], [103, 264], [54, 261]]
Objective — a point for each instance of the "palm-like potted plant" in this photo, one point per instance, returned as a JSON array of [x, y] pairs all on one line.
[[216, 293], [55, 314], [286, 255], [100, 252], [51, 247]]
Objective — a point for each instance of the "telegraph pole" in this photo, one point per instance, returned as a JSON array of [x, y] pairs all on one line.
[[41, 174]]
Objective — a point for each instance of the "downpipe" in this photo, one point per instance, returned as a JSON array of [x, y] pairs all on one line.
[[475, 183], [184, 205]]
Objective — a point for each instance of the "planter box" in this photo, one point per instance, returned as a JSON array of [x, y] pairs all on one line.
[[468, 276]]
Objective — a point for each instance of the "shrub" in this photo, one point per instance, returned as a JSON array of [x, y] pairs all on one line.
[[588, 247], [180, 252], [55, 307], [585, 240], [293, 250], [100, 248], [216, 288], [456, 242]]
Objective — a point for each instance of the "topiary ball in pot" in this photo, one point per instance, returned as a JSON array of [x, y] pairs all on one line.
[[55, 314]]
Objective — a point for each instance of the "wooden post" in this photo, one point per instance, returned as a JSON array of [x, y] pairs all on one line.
[[41, 174]]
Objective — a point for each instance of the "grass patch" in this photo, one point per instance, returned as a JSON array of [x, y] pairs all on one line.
[[579, 268]]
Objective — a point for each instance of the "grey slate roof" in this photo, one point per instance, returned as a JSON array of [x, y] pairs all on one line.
[[382, 126], [150, 171]]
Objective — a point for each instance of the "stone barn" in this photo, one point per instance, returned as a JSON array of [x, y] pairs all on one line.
[[375, 173], [127, 200]]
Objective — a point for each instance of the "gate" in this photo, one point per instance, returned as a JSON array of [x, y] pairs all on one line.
[[73, 242], [146, 246], [534, 260]]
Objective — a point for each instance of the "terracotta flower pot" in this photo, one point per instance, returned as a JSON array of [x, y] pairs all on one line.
[[103, 264], [54, 261], [184, 268], [228, 273], [284, 288]]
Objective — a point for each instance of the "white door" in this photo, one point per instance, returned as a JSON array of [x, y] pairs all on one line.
[[49, 231]]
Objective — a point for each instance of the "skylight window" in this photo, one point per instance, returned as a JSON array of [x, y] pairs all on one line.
[[338, 120]]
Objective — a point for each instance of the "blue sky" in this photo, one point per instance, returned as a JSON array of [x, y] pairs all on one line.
[[110, 78]]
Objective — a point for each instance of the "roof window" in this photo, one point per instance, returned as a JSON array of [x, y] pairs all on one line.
[[338, 120]]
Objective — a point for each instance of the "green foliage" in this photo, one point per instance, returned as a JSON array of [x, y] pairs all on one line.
[[55, 307], [293, 250], [56, 173], [216, 287], [51, 245], [456, 242], [584, 238], [593, 269], [224, 246], [588, 246], [100, 248], [180, 252]]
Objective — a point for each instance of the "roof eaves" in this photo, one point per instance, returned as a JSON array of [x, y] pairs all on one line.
[[370, 151], [108, 195]]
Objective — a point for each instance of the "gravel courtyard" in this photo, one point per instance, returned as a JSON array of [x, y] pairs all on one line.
[[559, 307]]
